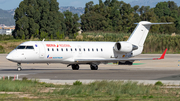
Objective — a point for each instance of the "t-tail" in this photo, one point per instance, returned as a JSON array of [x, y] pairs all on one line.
[[139, 35]]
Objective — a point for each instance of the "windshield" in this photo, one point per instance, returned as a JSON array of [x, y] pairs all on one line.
[[21, 47], [29, 47], [25, 47]]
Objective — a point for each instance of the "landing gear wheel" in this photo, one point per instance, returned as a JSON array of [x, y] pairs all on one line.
[[75, 67], [94, 67], [126, 63], [19, 68]]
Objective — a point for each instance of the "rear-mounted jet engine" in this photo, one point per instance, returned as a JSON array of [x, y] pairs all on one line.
[[124, 47]]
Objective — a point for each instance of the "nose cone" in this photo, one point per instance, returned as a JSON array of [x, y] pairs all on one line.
[[9, 57], [14, 57]]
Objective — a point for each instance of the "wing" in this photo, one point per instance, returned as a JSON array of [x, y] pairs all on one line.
[[115, 60]]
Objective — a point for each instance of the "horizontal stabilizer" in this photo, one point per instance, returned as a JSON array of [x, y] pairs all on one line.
[[149, 23]]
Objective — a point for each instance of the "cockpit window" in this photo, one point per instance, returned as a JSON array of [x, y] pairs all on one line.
[[25, 47], [21, 47], [29, 47]]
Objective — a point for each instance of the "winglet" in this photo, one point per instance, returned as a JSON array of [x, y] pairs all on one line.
[[162, 56]]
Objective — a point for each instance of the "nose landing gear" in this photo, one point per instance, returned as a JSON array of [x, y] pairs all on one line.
[[19, 67]]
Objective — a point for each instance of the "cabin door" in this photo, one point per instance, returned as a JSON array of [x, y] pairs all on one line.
[[42, 50]]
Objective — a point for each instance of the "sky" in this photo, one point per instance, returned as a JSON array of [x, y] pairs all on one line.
[[11, 4]]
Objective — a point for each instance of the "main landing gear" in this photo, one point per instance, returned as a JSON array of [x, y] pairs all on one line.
[[94, 67], [19, 67], [75, 67], [126, 63]]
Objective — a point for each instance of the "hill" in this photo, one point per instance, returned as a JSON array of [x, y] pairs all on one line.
[[151, 3], [6, 18], [12, 11], [72, 9]]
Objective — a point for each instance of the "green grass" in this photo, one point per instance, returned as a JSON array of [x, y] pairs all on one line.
[[159, 83], [98, 90], [17, 86], [3, 96]]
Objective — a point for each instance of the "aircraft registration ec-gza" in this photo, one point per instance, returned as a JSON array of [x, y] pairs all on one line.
[[77, 53]]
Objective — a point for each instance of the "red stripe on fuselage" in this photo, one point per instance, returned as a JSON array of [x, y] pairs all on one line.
[[58, 45]]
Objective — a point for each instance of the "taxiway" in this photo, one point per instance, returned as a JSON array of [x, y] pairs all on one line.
[[149, 70]]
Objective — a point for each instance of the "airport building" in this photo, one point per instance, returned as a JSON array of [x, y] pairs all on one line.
[[6, 30]]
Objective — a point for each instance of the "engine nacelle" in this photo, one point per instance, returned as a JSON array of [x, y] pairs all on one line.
[[124, 47]]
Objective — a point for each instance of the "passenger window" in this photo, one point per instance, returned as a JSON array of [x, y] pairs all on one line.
[[79, 49], [97, 50], [75, 49], [57, 49], [71, 49], [92, 49], [66, 49], [61, 49], [29, 47], [48, 49], [21, 47], [52, 49], [101, 49], [84, 49], [88, 49]]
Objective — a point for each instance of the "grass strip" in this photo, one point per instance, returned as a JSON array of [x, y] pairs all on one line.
[[98, 90]]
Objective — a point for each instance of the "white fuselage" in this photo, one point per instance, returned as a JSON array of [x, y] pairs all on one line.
[[66, 52]]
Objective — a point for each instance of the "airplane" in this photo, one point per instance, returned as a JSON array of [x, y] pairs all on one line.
[[76, 53]]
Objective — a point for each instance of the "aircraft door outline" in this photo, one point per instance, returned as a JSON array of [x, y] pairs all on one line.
[[42, 51]]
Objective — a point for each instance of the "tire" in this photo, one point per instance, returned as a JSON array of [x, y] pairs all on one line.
[[95, 67], [75, 67], [129, 63], [19, 69]]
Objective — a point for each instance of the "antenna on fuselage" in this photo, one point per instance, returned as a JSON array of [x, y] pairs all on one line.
[[43, 39]]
